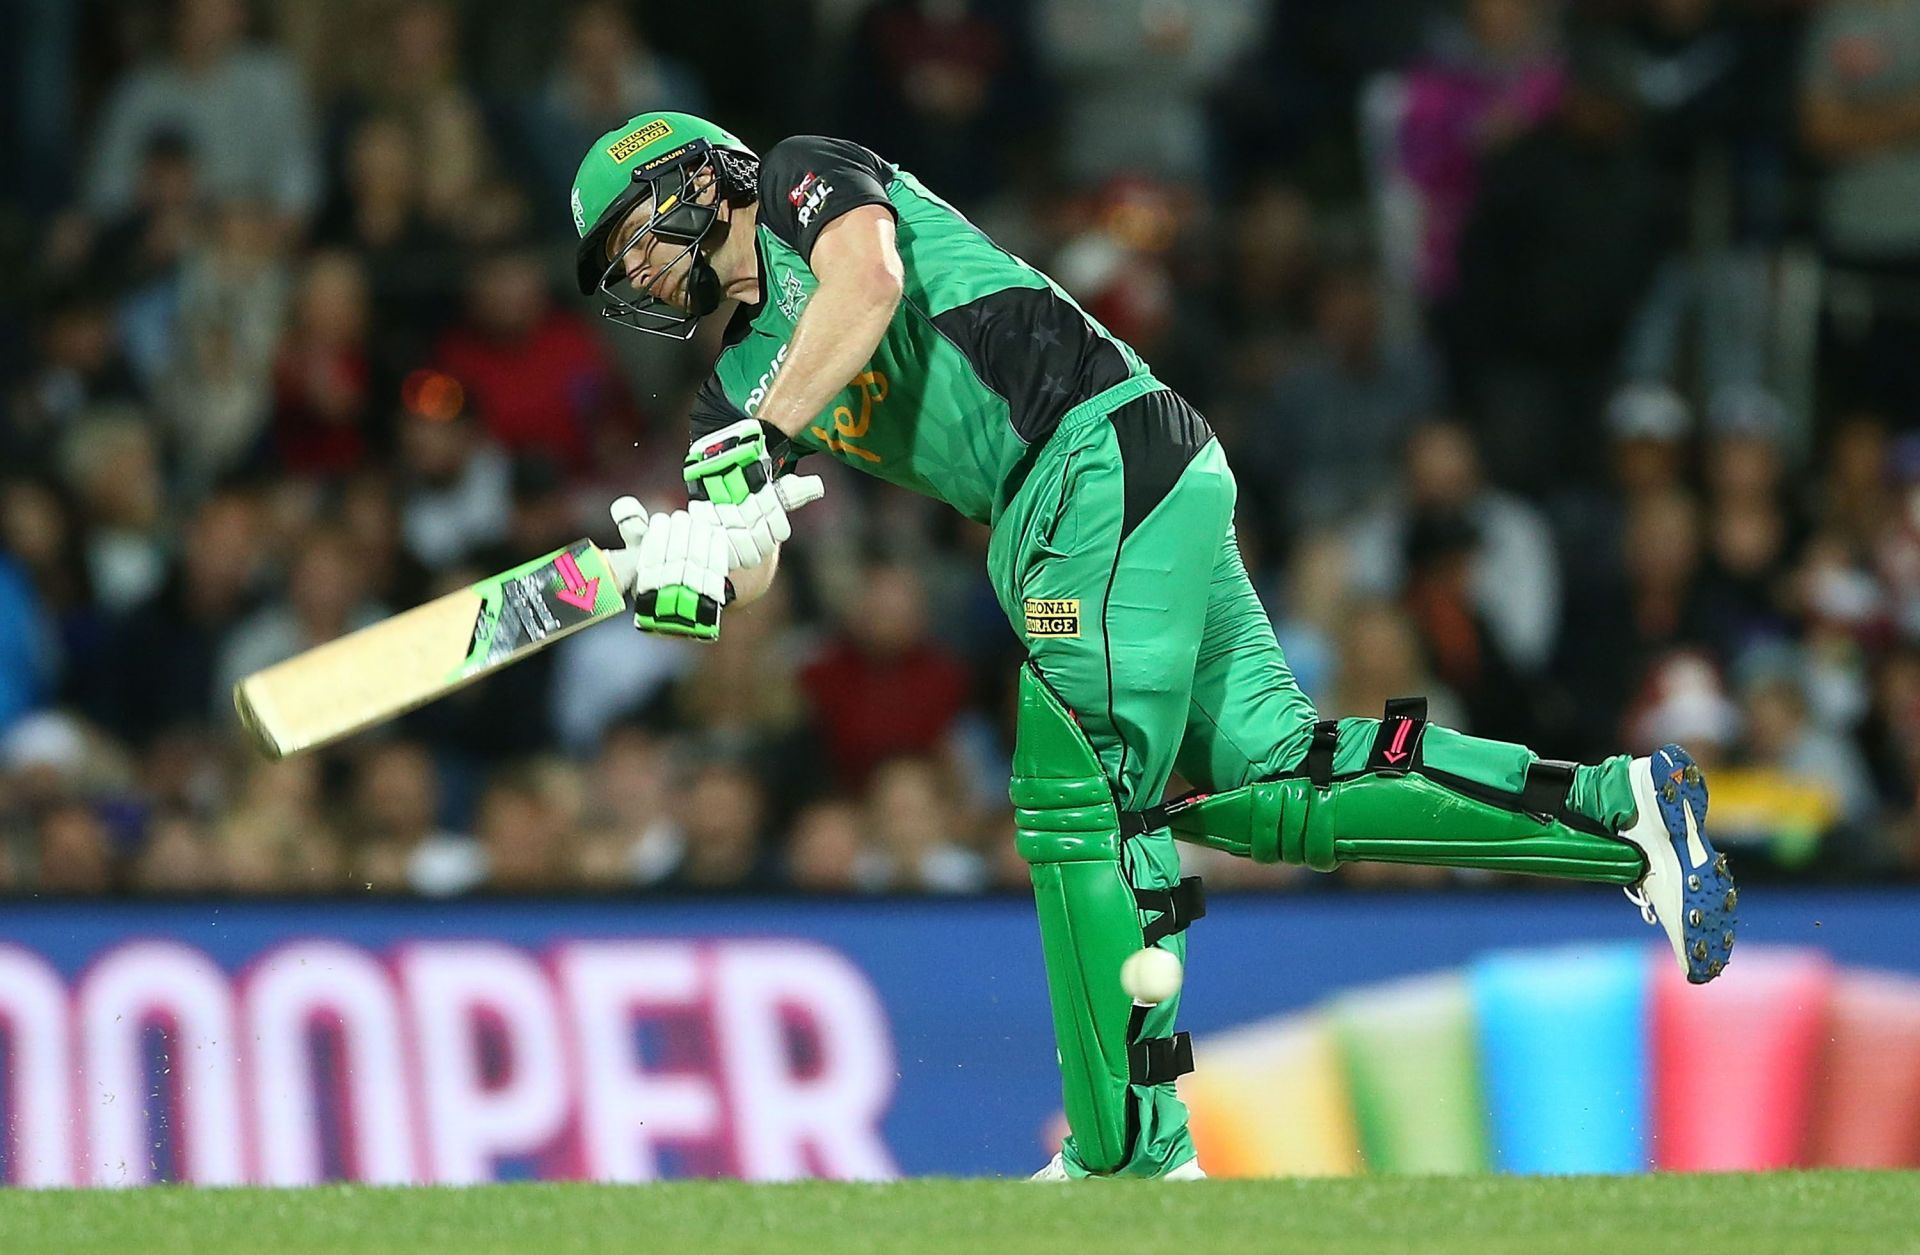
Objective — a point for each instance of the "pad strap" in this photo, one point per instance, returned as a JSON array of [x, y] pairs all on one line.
[[1396, 746], [1545, 791], [1157, 1060], [1319, 764], [1178, 907]]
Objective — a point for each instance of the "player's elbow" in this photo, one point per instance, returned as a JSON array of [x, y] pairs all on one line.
[[883, 282]]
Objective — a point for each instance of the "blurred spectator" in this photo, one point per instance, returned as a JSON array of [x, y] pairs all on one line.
[[416, 79], [1485, 83], [1649, 424], [1443, 546], [218, 391], [82, 367], [539, 379], [880, 687], [178, 856], [458, 483], [1515, 574], [156, 666], [323, 386], [825, 852], [942, 84], [630, 806], [76, 855], [1682, 698], [1381, 661], [399, 843], [324, 598], [722, 819], [1309, 617], [240, 106], [1652, 609], [1860, 113], [523, 834], [112, 467], [26, 645], [918, 831], [276, 838], [1694, 75], [1562, 241], [1124, 268], [1796, 784], [368, 509], [1135, 75], [1330, 434], [1855, 499], [377, 211], [608, 71]]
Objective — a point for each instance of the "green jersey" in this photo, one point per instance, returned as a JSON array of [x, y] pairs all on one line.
[[982, 359]]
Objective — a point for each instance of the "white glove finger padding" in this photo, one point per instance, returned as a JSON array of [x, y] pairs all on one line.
[[714, 571], [679, 531], [653, 545]]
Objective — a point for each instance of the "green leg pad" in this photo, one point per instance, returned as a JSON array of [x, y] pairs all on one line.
[[1382, 817], [1068, 829]]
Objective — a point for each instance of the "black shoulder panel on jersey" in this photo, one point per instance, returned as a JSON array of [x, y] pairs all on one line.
[[809, 180], [1158, 435], [1035, 349]]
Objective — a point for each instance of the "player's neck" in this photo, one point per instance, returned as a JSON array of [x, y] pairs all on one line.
[[737, 260]]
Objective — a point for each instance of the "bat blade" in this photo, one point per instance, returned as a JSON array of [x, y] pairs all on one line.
[[388, 668]]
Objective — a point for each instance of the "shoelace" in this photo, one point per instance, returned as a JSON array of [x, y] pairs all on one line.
[[1638, 896]]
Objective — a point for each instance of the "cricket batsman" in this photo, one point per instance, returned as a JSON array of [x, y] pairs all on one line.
[[878, 327]]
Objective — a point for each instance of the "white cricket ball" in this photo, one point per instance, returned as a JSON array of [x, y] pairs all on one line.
[[1151, 975]]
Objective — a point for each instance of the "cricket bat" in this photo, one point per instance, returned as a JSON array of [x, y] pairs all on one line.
[[388, 668]]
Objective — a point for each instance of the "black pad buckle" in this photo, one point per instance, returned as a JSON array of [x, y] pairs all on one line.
[[1178, 907], [1396, 747], [1154, 818], [1326, 736], [1545, 792], [1157, 1060]]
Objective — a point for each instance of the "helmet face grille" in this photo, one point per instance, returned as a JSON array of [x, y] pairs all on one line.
[[681, 222]]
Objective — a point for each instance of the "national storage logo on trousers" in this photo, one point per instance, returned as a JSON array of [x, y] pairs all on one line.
[[1053, 616]]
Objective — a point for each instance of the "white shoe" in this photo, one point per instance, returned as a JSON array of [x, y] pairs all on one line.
[[1687, 889], [1056, 1170]]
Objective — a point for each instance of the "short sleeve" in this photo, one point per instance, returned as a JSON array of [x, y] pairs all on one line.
[[809, 180]]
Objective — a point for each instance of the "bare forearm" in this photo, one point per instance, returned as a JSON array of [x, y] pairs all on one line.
[[834, 339]]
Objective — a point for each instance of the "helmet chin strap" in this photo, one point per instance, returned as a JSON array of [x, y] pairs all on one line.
[[703, 286]]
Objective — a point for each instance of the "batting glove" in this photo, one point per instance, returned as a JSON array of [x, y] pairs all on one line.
[[679, 580], [730, 483]]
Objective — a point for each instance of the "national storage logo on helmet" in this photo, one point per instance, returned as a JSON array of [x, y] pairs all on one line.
[[634, 141]]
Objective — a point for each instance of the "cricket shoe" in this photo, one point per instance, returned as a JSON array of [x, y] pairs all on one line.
[[1687, 889], [1056, 1170]]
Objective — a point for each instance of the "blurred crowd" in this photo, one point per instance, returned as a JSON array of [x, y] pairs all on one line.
[[1564, 350]]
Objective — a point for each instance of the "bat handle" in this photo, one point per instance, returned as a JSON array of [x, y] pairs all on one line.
[[624, 563]]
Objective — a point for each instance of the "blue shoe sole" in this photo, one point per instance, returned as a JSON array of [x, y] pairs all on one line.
[[1709, 900]]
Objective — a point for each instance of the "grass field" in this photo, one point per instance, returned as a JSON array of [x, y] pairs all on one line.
[[1797, 1211]]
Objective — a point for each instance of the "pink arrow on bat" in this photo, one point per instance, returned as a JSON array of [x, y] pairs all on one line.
[[580, 592]]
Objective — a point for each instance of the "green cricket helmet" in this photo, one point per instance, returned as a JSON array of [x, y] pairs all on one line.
[[655, 156]]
